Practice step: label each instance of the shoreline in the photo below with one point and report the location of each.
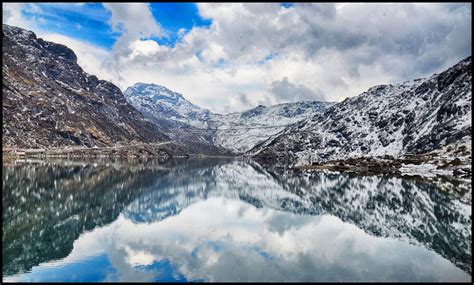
(159, 149)
(400, 167)
(418, 165)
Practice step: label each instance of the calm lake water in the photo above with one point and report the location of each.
(228, 220)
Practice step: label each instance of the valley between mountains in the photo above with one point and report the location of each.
(50, 104)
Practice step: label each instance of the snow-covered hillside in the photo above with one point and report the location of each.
(409, 118)
(243, 130)
(160, 102)
(238, 132)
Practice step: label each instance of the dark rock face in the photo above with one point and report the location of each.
(409, 118)
(49, 101)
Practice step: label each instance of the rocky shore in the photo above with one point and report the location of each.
(157, 150)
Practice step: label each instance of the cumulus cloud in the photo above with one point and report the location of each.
(124, 16)
(290, 92)
(12, 15)
(323, 51)
(135, 22)
(273, 54)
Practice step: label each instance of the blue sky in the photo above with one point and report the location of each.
(175, 16)
(87, 22)
(90, 21)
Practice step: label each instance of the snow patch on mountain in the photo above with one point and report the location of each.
(238, 131)
(408, 118)
(160, 102)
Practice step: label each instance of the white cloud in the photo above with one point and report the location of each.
(145, 47)
(125, 16)
(135, 21)
(331, 49)
(339, 51)
(12, 15)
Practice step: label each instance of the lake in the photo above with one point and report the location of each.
(229, 220)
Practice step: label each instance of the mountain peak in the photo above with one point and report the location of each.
(69, 106)
(153, 90)
(160, 102)
(26, 38)
(413, 117)
(149, 85)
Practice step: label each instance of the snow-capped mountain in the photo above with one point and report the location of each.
(238, 132)
(409, 118)
(243, 130)
(175, 116)
(49, 101)
(160, 102)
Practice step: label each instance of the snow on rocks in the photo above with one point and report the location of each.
(238, 132)
(395, 120)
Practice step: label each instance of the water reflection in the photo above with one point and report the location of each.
(227, 220)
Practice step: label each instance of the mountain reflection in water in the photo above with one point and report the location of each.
(228, 220)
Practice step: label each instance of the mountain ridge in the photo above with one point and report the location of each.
(49, 101)
(234, 131)
(412, 117)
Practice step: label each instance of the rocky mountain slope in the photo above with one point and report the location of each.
(49, 101)
(175, 116)
(242, 130)
(160, 102)
(237, 132)
(410, 118)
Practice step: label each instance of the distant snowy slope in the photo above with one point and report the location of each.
(243, 130)
(408, 118)
(238, 132)
(159, 101)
